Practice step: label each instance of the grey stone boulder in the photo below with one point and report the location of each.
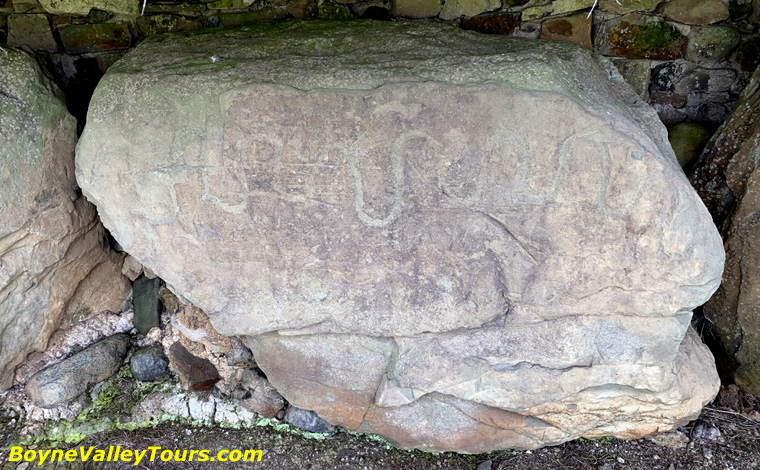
(55, 264)
(307, 420)
(458, 241)
(63, 381)
(149, 363)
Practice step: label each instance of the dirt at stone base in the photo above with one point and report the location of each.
(720, 439)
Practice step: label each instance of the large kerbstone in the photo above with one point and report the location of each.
(429, 216)
(55, 264)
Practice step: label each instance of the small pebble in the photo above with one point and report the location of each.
(621, 460)
(707, 453)
(485, 465)
(704, 430)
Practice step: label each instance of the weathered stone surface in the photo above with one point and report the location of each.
(307, 420)
(62, 382)
(575, 29)
(83, 7)
(259, 396)
(149, 363)
(636, 73)
(81, 38)
(453, 9)
(696, 12)
(728, 180)
(688, 140)
(194, 373)
(711, 44)
(538, 266)
(556, 7)
(145, 299)
(638, 36)
(32, 31)
(54, 260)
(621, 7)
(416, 8)
(469, 382)
(159, 24)
(500, 23)
(131, 268)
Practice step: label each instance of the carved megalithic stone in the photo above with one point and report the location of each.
(460, 242)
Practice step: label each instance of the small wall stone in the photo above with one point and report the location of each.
(32, 31)
(78, 39)
(575, 29)
(416, 8)
(696, 12)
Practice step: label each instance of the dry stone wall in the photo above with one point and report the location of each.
(689, 59)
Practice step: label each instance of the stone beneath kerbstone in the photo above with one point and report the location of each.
(259, 395)
(706, 81)
(500, 23)
(468, 382)
(230, 4)
(711, 44)
(55, 264)
(728, 180)
(83, 7)
(32, 31)
(149, 364)
(696, 12)
(307, 420)
(638, 36)
(621, 7)
(575, 29)
(416, 8)
(535, 274)
(195, 374)
(688, 140)
(62, 382)
(82, 38)
(146, 306)
(453, 9)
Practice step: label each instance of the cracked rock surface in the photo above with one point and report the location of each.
(459, 242)
(55, 265)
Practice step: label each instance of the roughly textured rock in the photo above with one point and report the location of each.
(54, 260)
(711, 44)
(259, 396)
(131, 268)
(688, 140)
(638, 36)
(728, 180)
(82, 38)
(556, 7)
(146, 306)
(416, 8)
(195, 374)
(149, 364)
(696, 12)
(32, 31)
(160, 24)
(500, 23)
(83, 7)
(636, 73)
(525, 282)
(307, 420)
(621, 7)
(575, 29)
(66, 380)
(453, 9)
